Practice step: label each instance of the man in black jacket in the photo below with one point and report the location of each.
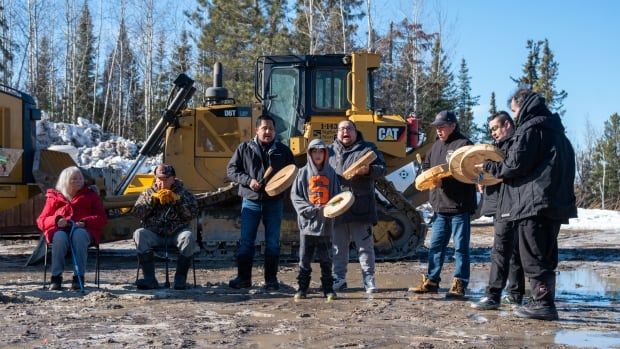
(453, 202)
(537, 195)
(247, 167)
(505, 261)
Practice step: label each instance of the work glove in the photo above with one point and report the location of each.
(165, 196)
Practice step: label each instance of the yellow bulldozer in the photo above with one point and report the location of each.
(307, 95)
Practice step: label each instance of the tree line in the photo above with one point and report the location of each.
(119, 75)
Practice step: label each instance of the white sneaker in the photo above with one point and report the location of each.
(339, 284)
(369, 284)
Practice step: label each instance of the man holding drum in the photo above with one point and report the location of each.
(453, 202)
(356, 223)
(249, 166)
(505, 261)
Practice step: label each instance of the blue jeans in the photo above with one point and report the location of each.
(444, 226)
(252, 211)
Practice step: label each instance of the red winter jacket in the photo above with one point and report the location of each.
(85, 206)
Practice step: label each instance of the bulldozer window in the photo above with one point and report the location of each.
(284, 87)
(330, 90)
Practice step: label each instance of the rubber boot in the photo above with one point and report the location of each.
(542, 304)
(244, 274)
(271, 272)
(148, 269)
(56, 283)
(303, 280)
(180, 276)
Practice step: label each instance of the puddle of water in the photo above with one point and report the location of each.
(572, 286)
(588, 339)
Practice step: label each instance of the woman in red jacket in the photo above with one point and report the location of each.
(71, 203)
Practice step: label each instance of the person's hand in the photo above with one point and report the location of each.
(255, 185)
(363, 170)
(80, 224)
(61, 223)
(479, 167)
(480, 188)
(437, 182)
(166, 196)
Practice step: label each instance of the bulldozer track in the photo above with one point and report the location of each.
(397, 236)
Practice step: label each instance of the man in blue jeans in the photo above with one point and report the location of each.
(247, 167)
(453, 202)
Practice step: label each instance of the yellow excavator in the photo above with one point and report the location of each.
(307, 95)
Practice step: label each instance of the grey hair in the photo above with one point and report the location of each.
(64, 180)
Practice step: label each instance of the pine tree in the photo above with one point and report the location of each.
(492, 104)
(606, 164)
(547, 76)
(85, 66)
(6, 50)
(276, 38)
(44, 87)
(440, 92)
(530, 68)
(465, 103)
(181, 61)
(229, 34)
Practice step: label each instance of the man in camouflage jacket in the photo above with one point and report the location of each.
(165, 210)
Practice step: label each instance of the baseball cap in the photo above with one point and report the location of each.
(444, 117)
(164, 170)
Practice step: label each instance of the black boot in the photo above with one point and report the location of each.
(303, 280)
(56, 283)
(244, 274)
(542, 304)
(327, 280)
(271, 272)
(148, 269)
(75, 283)
(180, 277)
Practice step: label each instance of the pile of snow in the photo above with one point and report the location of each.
(587, 219)
(95, 148)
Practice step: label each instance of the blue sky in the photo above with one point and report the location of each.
(491, 36)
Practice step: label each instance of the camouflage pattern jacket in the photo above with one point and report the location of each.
(167, 219)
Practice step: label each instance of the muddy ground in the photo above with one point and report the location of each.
(215, 316)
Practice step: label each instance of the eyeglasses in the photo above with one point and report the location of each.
(348, 128)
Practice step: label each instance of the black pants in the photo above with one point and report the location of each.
(321, 247)
(505, 262)
(538, 247)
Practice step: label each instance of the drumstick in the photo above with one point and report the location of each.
(266, 174)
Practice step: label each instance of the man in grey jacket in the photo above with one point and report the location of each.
(315, 185)
(357, 222)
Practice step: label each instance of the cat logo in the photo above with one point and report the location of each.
(390, 134)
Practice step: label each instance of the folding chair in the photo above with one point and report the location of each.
(48, 248)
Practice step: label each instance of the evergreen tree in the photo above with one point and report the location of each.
(530, 68)
(229, 34)
(547, 76)
(465, 103)
(181, 61)
(6, 49)
(606, 163)
(85, 65)
(276, 38)
(44, 89)
(492, 104)
(440, 92)
(402, 67)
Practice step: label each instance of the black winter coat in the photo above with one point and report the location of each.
(491, 192)
(453, 196)
(250, 161)
(539, 169)
(364, 208)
